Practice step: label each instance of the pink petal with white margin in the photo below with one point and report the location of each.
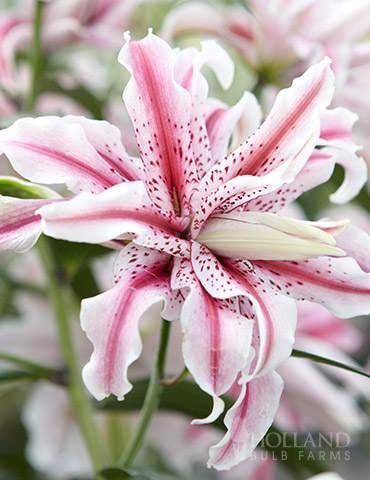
(317, 171)
(355, 176)
(161, 113)
(275, 314)
(276, 320)
(356, 243)
(240, 190)
(188, 75)
(216, 338)
(111, 319)
(123, 211)
(222, 121)
(336, 128)
(247, 421)
(106, 139)
(50, 150)
(20, 226)
(337, 283)
(287, 128)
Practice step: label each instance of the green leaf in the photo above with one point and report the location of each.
(137, 474)
(14, 187)
(328, 361)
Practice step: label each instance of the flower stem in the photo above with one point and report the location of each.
(152, 398)
(80, 401)
(36, 56)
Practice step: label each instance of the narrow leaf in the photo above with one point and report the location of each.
(328, 361)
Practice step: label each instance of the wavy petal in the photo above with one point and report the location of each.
(247, 421)
(337, 283)
(288, 127)
(275, 315)
(106, 139)
(216, 338)
(51, 150)
(123, 211)
(20, 226)
(111, 319)
(161, 113)
(222, 121)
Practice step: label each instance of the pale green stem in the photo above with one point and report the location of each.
(81, 404)
(151, 401)
(36, 56)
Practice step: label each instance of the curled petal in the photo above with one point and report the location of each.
(111, 319)
(337, 283)
(161, 113)
(51, 150)
(106, 139)
(275, 315)
(216, 338)
(123, 211)
(247, 421)
(286, 130)
(20, 226)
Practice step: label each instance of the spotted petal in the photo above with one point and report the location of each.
(111, 319)
(51, 150)
(123, 211)
(288, 127)
(247, 421)
(337, 283)
(216, 338)
(161, 113)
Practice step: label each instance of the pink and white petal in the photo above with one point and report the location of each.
(222, 120)
(111, 319)
(161, 113)
(336, 128)
(337, 283)
(286, 130)
(355, 176)
(241, 189)
(188, 75)
(275, 314)
(123, 211)
(20, 226)
(275, 320)
(216, 338)
(50, 150)
(356, 243)
(247, 421)
(231, 195)
(106, 139)
(317, 170)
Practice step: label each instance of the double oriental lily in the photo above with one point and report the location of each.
(197, 227)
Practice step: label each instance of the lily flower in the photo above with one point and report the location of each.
(201, 224)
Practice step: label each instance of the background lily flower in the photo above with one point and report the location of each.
(235, 303)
